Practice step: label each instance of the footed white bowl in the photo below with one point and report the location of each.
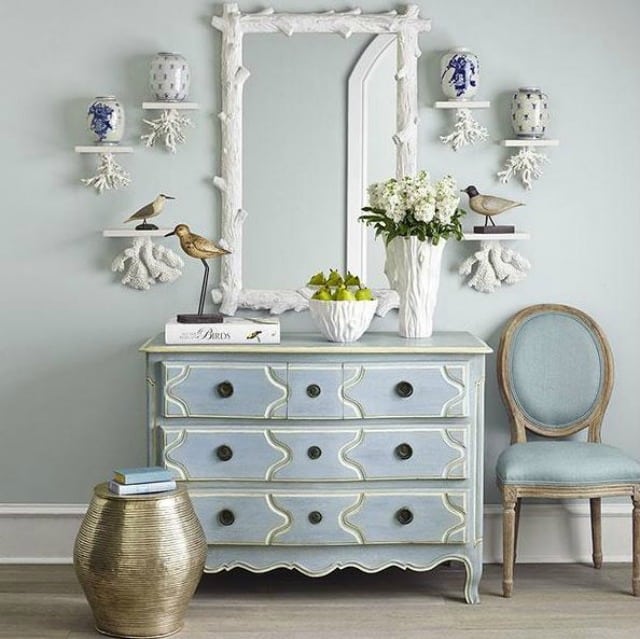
(342, 321)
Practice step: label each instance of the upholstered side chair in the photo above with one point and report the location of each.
(555, 373)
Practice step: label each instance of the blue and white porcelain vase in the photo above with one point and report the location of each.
(459, 74)
(529, 112)
(105, 119)
(170, 77)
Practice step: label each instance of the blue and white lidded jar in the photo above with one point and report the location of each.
(170, 77)
(459, 74)
(105, 119)
(529, 112)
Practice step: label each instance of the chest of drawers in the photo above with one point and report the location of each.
(317, 456)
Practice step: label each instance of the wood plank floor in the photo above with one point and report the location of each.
(550, 601)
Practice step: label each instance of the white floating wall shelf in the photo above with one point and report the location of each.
(170, 125)
(134, 233)
(483, 237)
(526, 163)
(109, 175)
(466, 130)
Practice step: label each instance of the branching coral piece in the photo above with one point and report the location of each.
(528, 163)
(466, 130)
(145, 263)
(110, 175)
(494, 265)
(170, 126)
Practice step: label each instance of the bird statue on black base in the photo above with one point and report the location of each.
(195, 245)
(489, 205)
(149, 210)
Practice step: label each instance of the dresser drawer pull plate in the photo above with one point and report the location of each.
(403, 451)
(404, 516)
(224, 453)
(225, 389)
(226, 517)
(313, 452)
(315, 517)
(313, 391)
(404, 389)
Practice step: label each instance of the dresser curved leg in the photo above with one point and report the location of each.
(472, 581)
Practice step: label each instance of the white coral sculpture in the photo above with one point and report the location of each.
(145, 263)
(527, 163)
(170, 126)
(494, 265)
(110, 175)
(466, 130)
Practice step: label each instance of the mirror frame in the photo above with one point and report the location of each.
(233, 24)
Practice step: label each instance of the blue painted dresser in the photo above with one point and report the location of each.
(315, 456)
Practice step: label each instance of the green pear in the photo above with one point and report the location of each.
(317, 280)
(323, 294)
(364, 294)
(351, 279)
(334, 279)
(343, 294)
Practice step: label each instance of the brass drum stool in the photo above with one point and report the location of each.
(139, 559)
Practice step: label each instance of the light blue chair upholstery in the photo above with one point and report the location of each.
(555, 372)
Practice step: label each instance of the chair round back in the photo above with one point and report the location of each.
(555, 372)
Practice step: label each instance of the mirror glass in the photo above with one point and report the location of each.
(294, 137)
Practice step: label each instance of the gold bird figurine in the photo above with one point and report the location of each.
(201, 248)
(149, 210)
(489, 205)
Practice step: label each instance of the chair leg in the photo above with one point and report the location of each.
(516, 529)
(635, 579)
(509, 501)
(596, 531)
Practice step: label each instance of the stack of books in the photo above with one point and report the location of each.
(138, 481)
(232, 330)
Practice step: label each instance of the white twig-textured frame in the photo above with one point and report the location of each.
(233, 24)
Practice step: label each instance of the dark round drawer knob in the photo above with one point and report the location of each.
(225, 389)
(404, 389)
(224, 452)
(404, 516)
(403, 451)
(315, 517)
(313, 452)
(313, 390)
(226, 517)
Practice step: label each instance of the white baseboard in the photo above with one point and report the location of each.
(549, 533)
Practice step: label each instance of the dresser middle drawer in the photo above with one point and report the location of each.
(314, 454)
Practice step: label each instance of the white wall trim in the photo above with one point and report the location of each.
(549, 533)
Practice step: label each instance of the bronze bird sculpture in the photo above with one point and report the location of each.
(149, 210)
(489, 205)
(201, 248)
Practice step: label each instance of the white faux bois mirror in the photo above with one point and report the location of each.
(400, 28)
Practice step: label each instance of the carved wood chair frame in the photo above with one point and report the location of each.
(521, 423)
(233, 24)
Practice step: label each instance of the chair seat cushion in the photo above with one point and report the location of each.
(565, 463)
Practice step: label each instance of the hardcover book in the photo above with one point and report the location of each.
(144, 474)
(141, 489)
(232, 330)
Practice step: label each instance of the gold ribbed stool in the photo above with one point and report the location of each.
(139, 559)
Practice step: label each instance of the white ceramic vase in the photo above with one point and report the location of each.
(459, 74)
(105, 119)
(413, 270)
(170, 77)
(529, 112)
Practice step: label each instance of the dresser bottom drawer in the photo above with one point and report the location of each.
(312, 518)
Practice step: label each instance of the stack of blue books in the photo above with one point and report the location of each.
(138, 481)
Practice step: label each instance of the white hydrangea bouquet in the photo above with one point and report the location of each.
(414, 206)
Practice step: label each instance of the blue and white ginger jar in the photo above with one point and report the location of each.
(459, 74)
(170, 77)
(105, 119)
(529, 112)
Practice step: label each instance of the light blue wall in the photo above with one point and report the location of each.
(72, 389)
